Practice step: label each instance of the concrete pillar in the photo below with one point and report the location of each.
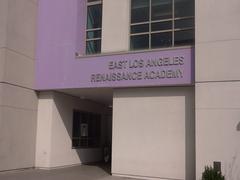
(115, 25)
(218, 86)
(18, 101)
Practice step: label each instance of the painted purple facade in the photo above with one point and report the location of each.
(61, 33)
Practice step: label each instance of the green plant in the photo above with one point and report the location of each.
(212, 174)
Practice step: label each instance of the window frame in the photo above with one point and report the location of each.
(87, 138)
(93, 3)
(150, 32)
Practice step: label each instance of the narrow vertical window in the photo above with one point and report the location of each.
(140, 14)
(94, 26)
(183, 22)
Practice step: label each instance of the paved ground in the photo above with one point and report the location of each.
(84, 172)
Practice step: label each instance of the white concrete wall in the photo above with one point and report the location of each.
(18, 101)
(153, 133)
(217, 86)
(54, 143)
(115, 25)
(218, 127)
(217, 40)
(44, 126)
(3, 22)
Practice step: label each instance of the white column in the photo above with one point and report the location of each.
(44, 130)
(115, 25)
(218, 86)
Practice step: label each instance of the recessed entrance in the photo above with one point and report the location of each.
(153, 130)
(92, 127)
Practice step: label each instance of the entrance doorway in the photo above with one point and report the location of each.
(93, 132)
(92, 125)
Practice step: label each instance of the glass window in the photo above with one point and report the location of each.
(159, 26)
(140, 11)
(184, 23)
(86, 130)
(184, 8)
(94, 27)
(94, 0)
(140, 28)
(184, 37)
(161, 9)
(94, 17)
(161, 23)
(93, 47)
(94, 34)
(159, 40)
(140, 42)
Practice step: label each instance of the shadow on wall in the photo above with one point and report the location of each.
(65, 105)
(232, 168)
(232, 171)
(190, 137)
(238, 127)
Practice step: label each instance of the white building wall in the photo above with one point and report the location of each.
(115, 25)
(54, 133)
(153, 133)
(3, 21)
(217, 86)
(18, 101)
(44, 125)
(218, 127)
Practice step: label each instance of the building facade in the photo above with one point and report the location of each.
(155, 81)
(18, 100)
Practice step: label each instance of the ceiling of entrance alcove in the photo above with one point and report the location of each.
(99, 95)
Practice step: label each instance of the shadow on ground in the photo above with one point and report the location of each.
(83, 172)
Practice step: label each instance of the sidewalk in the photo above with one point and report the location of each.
(84, 172)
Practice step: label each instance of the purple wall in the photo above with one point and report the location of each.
(61, 25)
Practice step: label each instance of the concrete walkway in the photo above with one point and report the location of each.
(84, 172)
